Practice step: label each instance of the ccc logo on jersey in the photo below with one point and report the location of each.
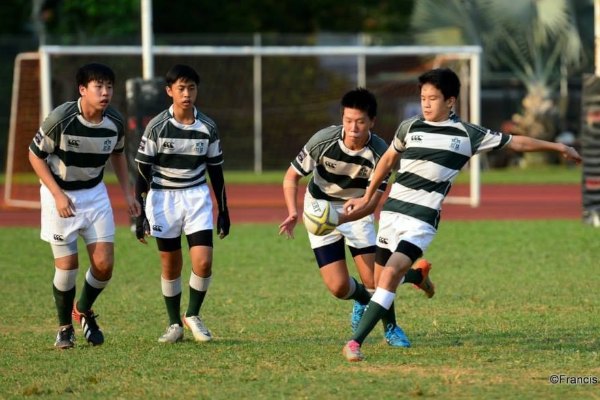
(168, 145)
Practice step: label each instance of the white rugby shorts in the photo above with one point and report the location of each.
(358, 234)
(394, 227)
(93, 218)
(173, 212)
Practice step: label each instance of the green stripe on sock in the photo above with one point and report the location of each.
(372, 315)
(413, 276)
(196, 300)
(64, 305)
(173, 309)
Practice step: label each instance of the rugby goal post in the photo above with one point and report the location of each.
(470, 54)
(25, 117)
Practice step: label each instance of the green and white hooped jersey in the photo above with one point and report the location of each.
(179, 153)
(339, 173)
(433, 153)
(77, 150)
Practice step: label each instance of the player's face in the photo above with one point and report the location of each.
(356, 125)
(433, 105)
(184, 94)
(96, 95)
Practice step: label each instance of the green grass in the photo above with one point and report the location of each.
(533, 175)
(515, 303)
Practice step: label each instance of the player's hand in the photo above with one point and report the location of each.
(223, 223)
(570, 153)
(64, 205)
(354, 206)
(134, 207)
(287, 227)
(142, 228)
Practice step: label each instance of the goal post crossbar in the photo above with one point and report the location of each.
(463, 51)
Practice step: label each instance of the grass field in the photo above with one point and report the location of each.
(515, 304)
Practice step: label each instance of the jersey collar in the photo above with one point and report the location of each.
(171, 111)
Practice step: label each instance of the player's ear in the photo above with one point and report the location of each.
(451, 101)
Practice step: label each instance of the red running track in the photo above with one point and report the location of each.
(264, 203)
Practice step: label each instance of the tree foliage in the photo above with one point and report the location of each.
(290, 16)
(15, 16)
(530, 38)
(84, 20)
(87, 20)
(537, 41)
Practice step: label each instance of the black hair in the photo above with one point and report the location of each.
(360, 99)
(443, 79)
(181, 71)
(94, 72)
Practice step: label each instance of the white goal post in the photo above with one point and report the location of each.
(471, 54)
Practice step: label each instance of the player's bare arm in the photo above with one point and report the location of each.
(529, 144)
(290, 193)
(383, 168)
(64, 205)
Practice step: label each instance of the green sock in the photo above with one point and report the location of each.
(89, 294)
(64, 305)
(413, 276)
(173, 309)
(196, 300)
(360, 293)
(389, 317)
(372, 315)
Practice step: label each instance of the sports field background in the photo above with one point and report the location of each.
(516, 303)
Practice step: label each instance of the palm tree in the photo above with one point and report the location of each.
(535, 40)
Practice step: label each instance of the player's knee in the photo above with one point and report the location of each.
(338, 289)
(102, 269)
(203, 268)
(102, 263)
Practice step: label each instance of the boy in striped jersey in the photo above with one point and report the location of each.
(68, 154)
(342, 159)
(432, 149)
(179, 146)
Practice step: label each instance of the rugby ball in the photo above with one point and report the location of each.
(319, 217)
